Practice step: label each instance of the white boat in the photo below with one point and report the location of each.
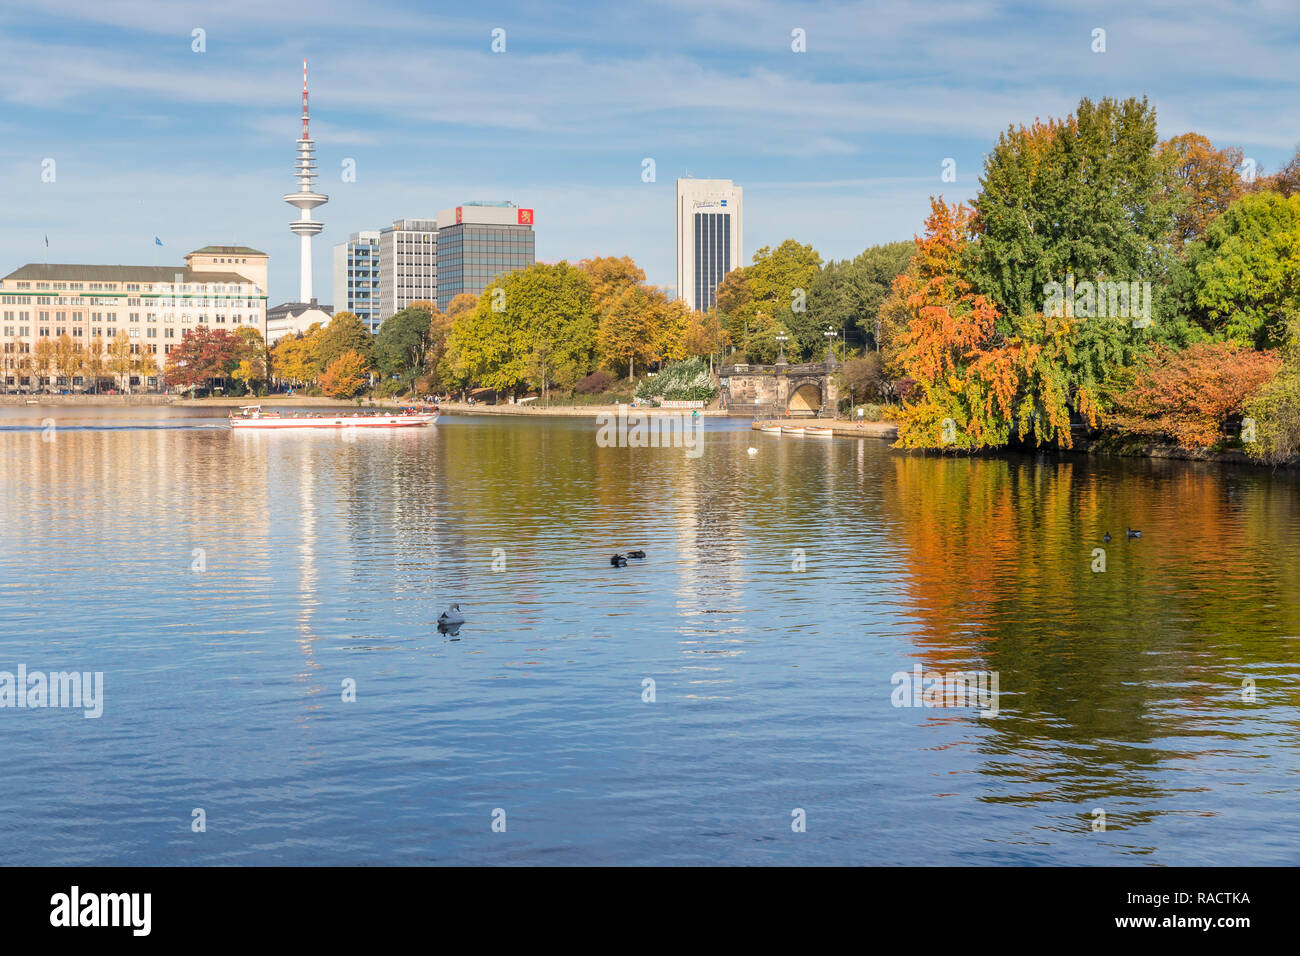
(773, 429)
(791, 429)
(819, 431)
(254, 416)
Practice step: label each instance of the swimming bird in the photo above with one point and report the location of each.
(451, 616)
(636, 554)
(1106, 537)
(753, 451)
(618, 561)
(1134, 534)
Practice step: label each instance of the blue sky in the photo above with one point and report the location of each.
(839, 146)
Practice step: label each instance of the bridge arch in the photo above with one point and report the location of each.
(805, 398)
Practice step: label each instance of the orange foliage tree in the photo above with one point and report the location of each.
(346, 375)
(1188, 395)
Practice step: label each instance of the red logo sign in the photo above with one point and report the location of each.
(458, 214)
(525, 217)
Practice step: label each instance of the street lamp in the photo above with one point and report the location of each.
(781, 339)
(830, 337)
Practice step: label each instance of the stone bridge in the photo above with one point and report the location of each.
(807, 390)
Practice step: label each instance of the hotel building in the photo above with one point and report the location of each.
(356, 277)
(709, 222)
(408, 265)
(478, 242)
(218, 287)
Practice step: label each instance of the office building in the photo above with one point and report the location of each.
(408, 265)
(478, 242)
(709, 223)
(356, 277)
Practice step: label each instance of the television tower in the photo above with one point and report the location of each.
(305, 198)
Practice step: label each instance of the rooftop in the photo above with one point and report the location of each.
(60, 271)
(227, 251)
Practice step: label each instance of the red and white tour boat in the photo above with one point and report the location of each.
(254, 416)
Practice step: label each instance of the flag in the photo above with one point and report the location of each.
(47, 242)
(157, 241)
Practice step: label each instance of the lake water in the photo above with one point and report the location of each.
(228, 586)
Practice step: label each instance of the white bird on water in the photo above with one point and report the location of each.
(753, 451)
(452, 616)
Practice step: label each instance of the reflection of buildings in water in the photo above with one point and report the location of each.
(711, 577)
(394, 497)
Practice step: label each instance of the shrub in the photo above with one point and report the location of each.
(595, 383)
(1189, 395)
(1275, 413)
(690, 380)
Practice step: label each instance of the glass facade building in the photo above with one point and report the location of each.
(712, 256)
(477, 243)
(356, 277)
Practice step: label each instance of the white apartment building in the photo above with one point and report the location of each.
(218, 287)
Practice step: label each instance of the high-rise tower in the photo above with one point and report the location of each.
(305, 199)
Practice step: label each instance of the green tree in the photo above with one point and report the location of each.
(849, 294)
(1087, 196)
(1248, 270)
(535, 325)
(402, 345)
(779, 282)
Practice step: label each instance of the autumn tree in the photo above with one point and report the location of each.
(293, 358)
(628, 331)
(947, 323)
(1208, 179)
(144, 363)
(252, 361)
(202, 355)
(119, 359)
(69, 358)
(96, 362)
(345, 332)
(346, 376)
